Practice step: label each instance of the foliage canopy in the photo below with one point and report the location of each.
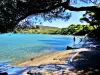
(13, 11)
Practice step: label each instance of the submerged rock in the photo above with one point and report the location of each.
(68, 47)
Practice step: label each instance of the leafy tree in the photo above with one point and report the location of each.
(13, 11)
(76, 29)
(92, 18)
(64, 31)
(37, 27)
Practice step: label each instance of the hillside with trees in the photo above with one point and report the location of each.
(70, 30)
(77, 29)
(37, 29)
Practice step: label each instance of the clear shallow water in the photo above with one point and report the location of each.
(19, 47)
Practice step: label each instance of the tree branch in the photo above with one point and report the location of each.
(88, 8)
(66, 5)
(42, 11)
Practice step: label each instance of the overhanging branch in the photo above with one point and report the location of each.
(65, 5)
(88, 8)
(42, 11)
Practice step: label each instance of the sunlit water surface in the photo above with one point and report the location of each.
(16, 47)
(22, 47)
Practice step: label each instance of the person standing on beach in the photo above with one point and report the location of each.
(74, 40)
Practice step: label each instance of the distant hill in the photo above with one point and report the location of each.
(48, 27)
(38, 29)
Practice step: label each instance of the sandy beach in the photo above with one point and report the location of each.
(59, 57)
(54, 58)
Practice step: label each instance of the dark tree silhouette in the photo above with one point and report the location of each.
(13, 11)
(92, 18)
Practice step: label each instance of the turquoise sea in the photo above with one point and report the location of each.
(15, 47)
(21, 47)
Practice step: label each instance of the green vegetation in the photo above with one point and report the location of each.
(36, 29)
(94, 20)
(70, 30)
(77, 29)
(14, 11)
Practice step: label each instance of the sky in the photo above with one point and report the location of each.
(74, 19)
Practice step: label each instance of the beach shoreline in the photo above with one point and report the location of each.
(52, 58)
(59, 57)
(63, 59)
